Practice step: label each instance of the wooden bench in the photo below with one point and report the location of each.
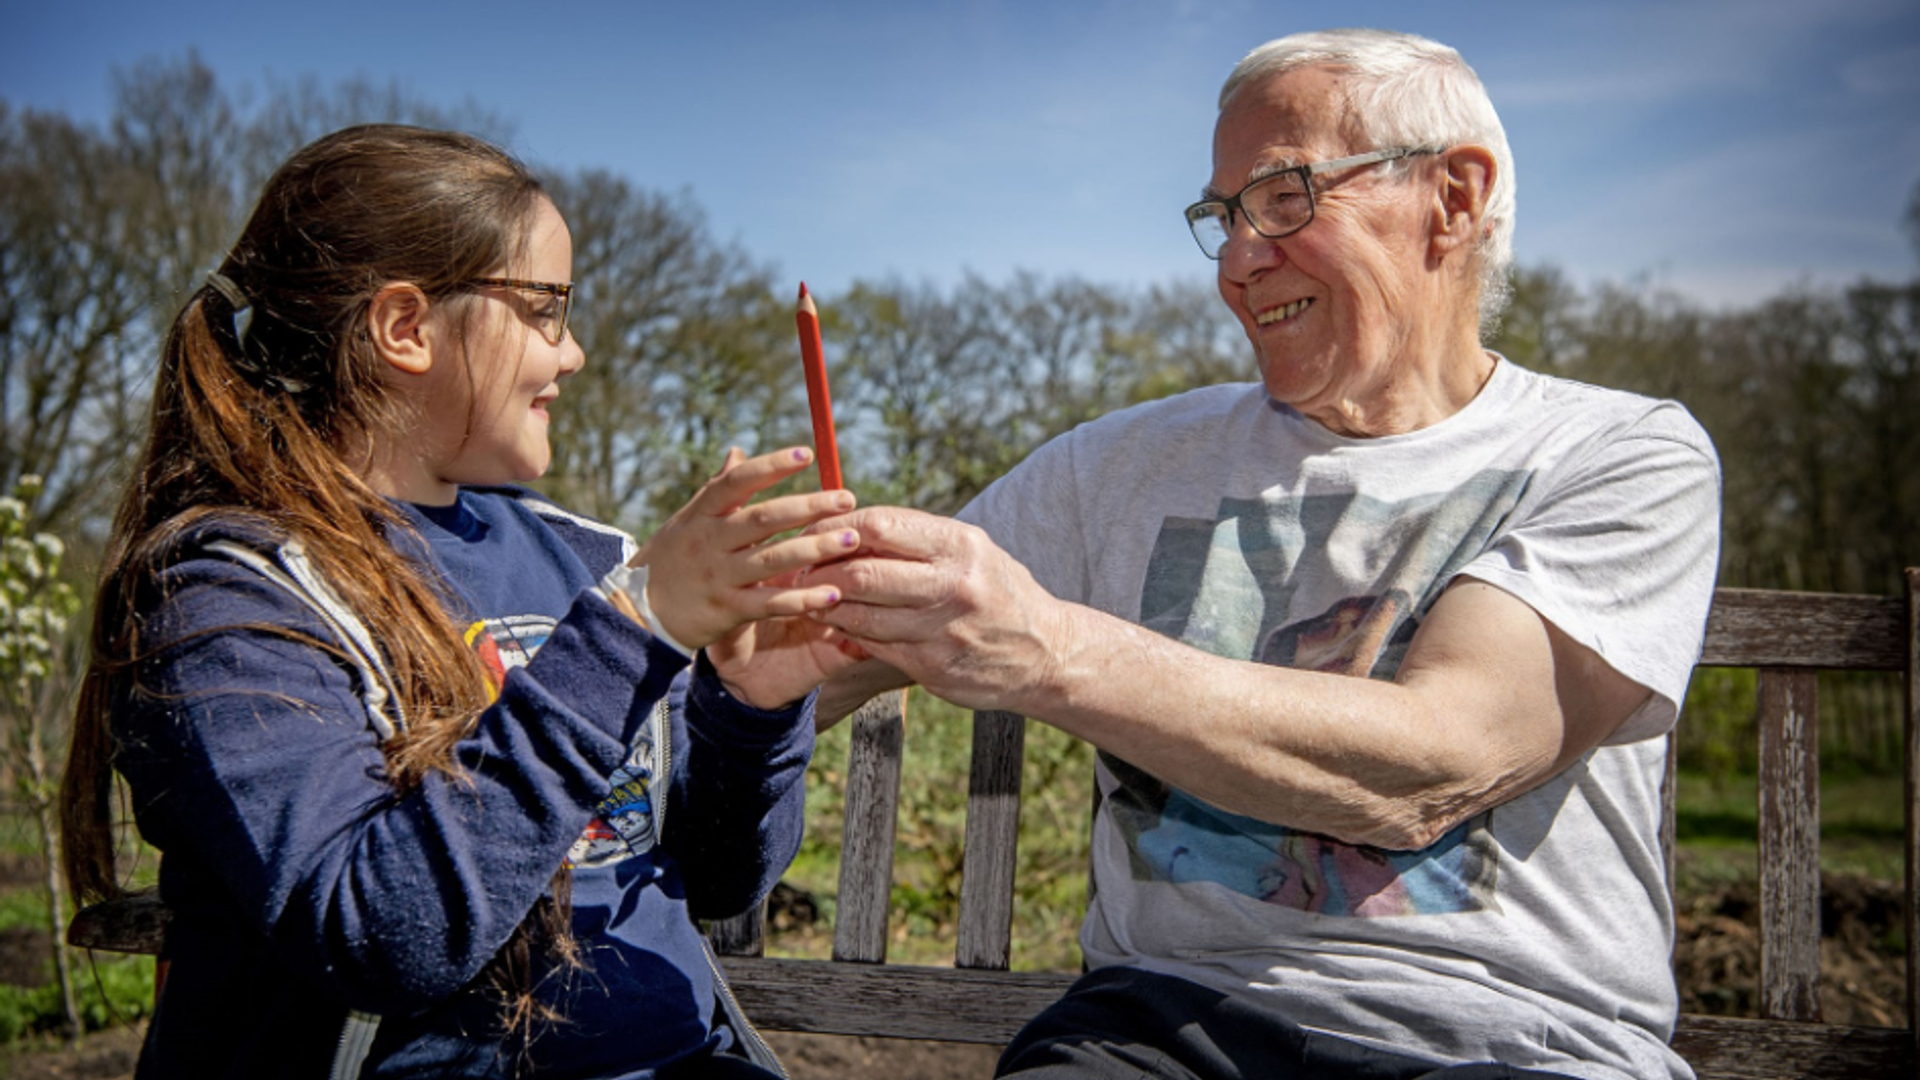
(1787, 636)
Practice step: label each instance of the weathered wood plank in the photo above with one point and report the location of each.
(867, 836)
(900, 1001)
(1913, 809)
(742, 935)
(985, 931)
(1768, 628)
(1789, 845)
(1724, 1048)
(981, 1006)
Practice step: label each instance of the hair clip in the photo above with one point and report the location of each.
(242, 307)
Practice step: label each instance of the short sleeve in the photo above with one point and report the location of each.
(1618, 548)
(1034, 514)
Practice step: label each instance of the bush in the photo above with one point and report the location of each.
(1861, 726)
(112, 990)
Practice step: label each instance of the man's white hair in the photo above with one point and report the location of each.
(1405, 90)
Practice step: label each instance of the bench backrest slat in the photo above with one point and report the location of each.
(743, 935)
(1913, 810)
(868, 833)
(1789, 845)
(1763, 628)
(992, 841)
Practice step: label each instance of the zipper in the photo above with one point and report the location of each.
(290, 570)
(356, 1040)
(662, 721)
(757, 1051)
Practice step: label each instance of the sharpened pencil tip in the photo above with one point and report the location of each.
(803, 290)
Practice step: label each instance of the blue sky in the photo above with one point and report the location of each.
(1728, 149)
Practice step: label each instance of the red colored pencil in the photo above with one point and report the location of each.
(807, 318)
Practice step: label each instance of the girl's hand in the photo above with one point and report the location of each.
(773, 662)
(715, 565)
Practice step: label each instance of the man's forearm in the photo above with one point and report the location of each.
(1353, 758)
(1392, 764)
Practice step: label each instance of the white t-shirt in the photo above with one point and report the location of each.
(1538, 933)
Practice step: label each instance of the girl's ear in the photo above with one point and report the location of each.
(397, 322)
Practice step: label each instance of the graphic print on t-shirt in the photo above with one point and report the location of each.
(1332, 583)
(623, 825)
(508, 643)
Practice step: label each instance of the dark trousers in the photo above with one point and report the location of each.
(1125, 1024)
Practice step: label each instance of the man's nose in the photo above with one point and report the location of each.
(1246, 252)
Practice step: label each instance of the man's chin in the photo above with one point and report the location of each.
(1288, 379)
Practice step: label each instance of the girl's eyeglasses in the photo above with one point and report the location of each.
(553, 322)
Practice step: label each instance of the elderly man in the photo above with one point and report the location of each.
(1377, 652)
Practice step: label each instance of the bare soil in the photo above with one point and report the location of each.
(1717, 963)
(1862, 946)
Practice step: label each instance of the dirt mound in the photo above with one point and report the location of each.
(1862, 946)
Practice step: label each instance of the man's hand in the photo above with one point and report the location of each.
(936, 599)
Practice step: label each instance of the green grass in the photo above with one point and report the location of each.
(1716, 825)
(23, 907)
(109, 988)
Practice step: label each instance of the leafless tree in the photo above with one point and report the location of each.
(688, 352)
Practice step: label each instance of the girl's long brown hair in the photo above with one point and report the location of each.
(277, 424)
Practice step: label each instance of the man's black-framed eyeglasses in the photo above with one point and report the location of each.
(552, 323)
(1278, 204)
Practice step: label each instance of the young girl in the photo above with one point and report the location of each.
(441, 774)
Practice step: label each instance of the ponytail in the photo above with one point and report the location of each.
(266, 398)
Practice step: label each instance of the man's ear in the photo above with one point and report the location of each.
(1460, 207)
(397, 322)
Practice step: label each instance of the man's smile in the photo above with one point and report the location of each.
(1283, 312)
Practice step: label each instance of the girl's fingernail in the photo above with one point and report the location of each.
(799, 455)
(833, 597)
(849, 539)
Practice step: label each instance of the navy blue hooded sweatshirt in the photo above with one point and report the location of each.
(304, 885)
